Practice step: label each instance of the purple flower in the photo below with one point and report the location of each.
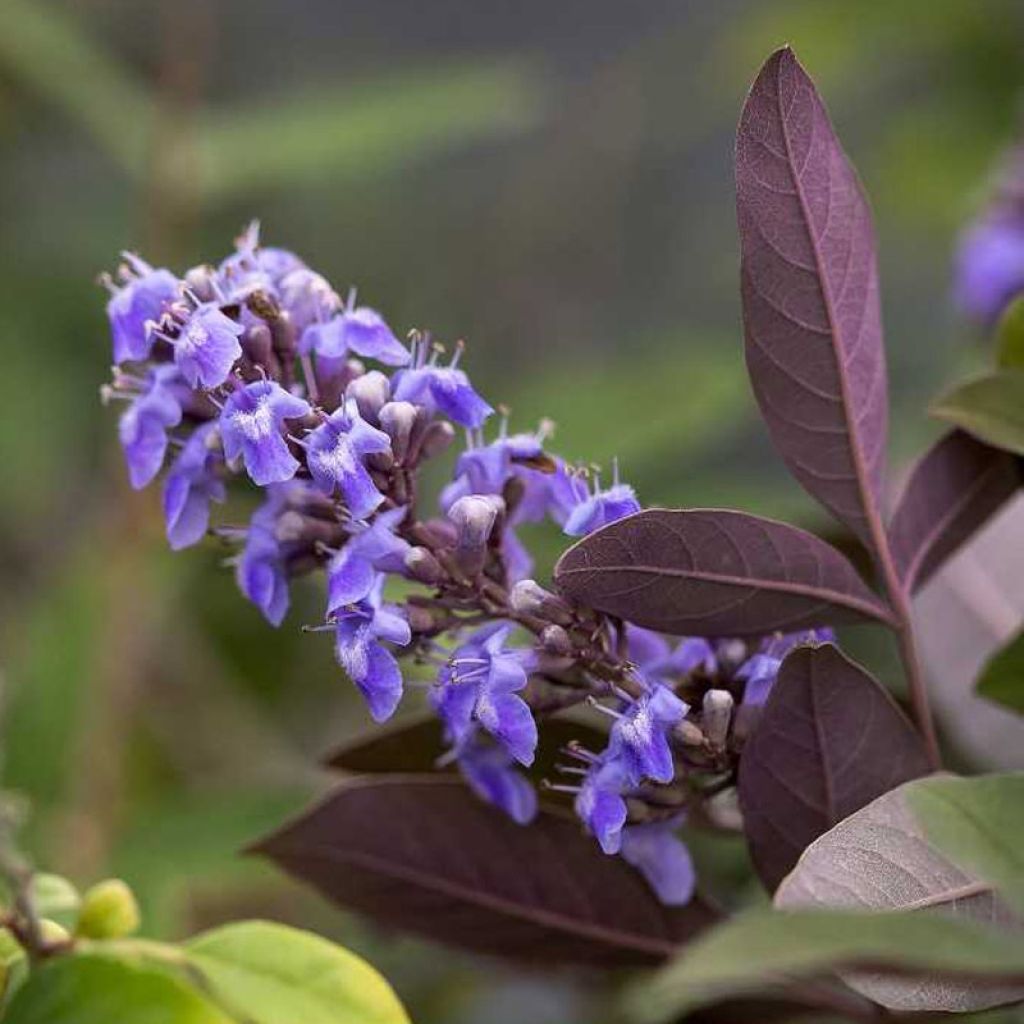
(308, 298)
(760, 671)
(440, 388)
(639, 737)
(359, 630)
(144, 424)
(352, 572)
(357, 329)
(138, 302)
(480, 684)
(335, 453)
(990, 267)
(254, 267)
(206, 346)
(600, 507)
(191, 485)
(252, 427)
(657, 659)
(492, 775)
(662, 858)
(600, 804)
(261, 570)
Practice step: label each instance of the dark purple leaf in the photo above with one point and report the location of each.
(951, 492)
(829, 740)
(422, 854)
(713, 572)
(810, 296)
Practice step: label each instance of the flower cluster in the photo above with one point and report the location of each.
(257, 369)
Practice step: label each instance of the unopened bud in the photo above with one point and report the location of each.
(437, 439)
(370, 392)
(109, 911)
(294, 526)
(420, 619)
(689, 734)
(423, 567)
(397, 420)
(52, 933)
(555, 640)
(528, 597)
(474, 517)
(258, 344)
(201, 281)
(717, 714)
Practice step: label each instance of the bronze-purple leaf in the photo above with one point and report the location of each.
(829, 740)
(954, 489)
(422, 854)
(809, 284)
(714, 572)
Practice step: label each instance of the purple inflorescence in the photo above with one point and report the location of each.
(255, 369)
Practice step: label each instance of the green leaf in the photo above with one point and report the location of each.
(94, 988)
(1002, 679)
(55, 897)
(990, 407)
(979, 824)
(270, 974)
(1010, 336)
(765, 948)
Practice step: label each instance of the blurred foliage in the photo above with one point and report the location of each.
(552, 182)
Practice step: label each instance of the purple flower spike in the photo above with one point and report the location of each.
(662, 858)
(480, 684)
(207, 346)
(352, 572)
(252, 427)
(990, 267)
(136, 303)
(144, 424)
(261, 569)
(492, 775)
(443, 389)
(640, 735)
(336, 451)
(760, 671)
(359, 630)
(600, 804)
(191, 485)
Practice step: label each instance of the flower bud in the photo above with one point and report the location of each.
(52, 933)
(201, 281)
(421, 620)
(689, 734)
(555, 640)
(437, 439)
(397, 420)
(474, 518)
(528, 597)
(109, 911)
(422, 566)
(717, 715)
(257, 344)
(370, 392)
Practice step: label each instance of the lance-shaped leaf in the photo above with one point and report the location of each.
(829, 740)
(989, 407)
(421, 853)
(810, 296)
(714, 572)
(881, 859)
(955, 488)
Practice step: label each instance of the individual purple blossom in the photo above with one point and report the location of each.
(640, 736)
(336, 452)
(479, 686)
(662, 858)
(351, 573)
(144, 424)
(206, 346)
(135, 304)
(598, 507)
(357, 329)
(492, 775)
(444, 389)
(261, 570)
(600, 803)
(989, 269)
(252, 428)
(253, 267)
(658, 659)
(360, 632)
(192, 483)
(760, 671)
(308, 298)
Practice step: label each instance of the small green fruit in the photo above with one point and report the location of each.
(109, 911)
(52, 933)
